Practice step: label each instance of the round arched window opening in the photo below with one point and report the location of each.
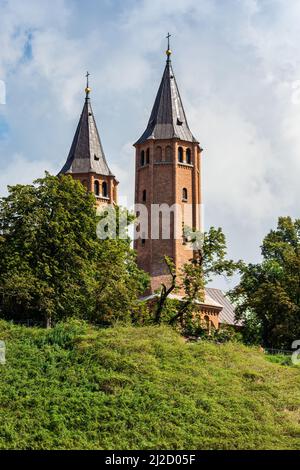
(142, 157)
(184, 194)
(180, 154)
(104, 189)
(96, 188)
(188, 156)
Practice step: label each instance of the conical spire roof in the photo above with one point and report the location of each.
(86, 154)
(168, 119)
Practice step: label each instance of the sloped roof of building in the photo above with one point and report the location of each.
(215, 298)
(86, 154)
(168, 119)
(227, 314)
(208, 300)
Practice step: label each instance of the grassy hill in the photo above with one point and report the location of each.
(141, 388)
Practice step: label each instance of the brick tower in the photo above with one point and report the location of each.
(168, 171)
(86, 161)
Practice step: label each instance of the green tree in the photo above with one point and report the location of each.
(268, 295)
(52, 264)
(210, 258)
(117, 300)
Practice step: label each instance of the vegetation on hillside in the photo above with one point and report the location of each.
(53, 266)
(268, 296)
(78, 387)
(210, 259)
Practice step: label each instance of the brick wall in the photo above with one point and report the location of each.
(163, 178)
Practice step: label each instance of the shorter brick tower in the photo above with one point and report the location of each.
(86, 161)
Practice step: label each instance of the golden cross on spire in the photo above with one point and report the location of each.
(168, 38)
(87, 90)
(168, 51)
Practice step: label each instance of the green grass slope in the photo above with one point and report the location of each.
(78, 387)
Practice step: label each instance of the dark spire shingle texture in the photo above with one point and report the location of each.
(86, 154)
(167, 120)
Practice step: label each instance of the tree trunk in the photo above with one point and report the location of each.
(48, 323)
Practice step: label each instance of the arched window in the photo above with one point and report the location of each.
(180, 154)
(188, 156)
(142, 157)
(168, 153)
(158, 154)
(184, 194)
(104, 189)
(147, 156)
(96, 188)
(144, 195)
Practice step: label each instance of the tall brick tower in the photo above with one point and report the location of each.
(86, 161)
(168, 171)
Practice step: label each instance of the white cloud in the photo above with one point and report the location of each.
(21, 171)
(236, 63)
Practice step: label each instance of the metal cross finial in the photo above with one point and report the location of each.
(168, 51)
(87, 90)
(87, 79)
(168, 38)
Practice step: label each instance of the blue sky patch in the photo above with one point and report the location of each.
(28, 47)
(4, 128)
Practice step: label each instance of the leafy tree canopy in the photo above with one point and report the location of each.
(210, 259)
(53, 265)
(268, 295)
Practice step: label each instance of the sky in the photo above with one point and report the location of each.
(237, 65)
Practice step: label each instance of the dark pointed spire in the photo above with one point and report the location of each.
(168, 119)
(86, 154)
